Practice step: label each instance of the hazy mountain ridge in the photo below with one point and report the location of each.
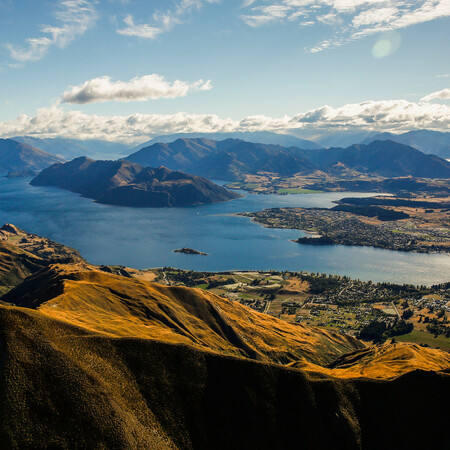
(16, 157)
(71, 148)
(129, 184)
(231, 159)
(385, 158)
(256, 137)
(427, 141)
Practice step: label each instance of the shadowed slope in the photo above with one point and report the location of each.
(127, 184)
(124, 307)
(64, 387)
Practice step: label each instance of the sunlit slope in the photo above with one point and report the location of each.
(65, 387)
(383, 361)
(61, 389)
(15, 265)
(123, 307)
(22, 254)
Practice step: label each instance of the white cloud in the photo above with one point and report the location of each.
(73, 18)
(142, 31)
(163, 21)
(439, 95)
(148, 87)
(387, 115)
(350, 19)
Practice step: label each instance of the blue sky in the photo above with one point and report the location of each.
(129, 69)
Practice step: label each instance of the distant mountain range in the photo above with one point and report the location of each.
(385, 158)
(128, 184)
(17, 157)
(72, 148)
(257, 137)
(232, 159)
(427, 141)
(228, 160)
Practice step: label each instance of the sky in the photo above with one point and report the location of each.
(127, 70)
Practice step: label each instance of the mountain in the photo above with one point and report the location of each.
(257, 137)
(385, 158)
(101, 302)
(233, 159)
(71, 148)
(427, 141)
(16, 157)
(96, 360)
(127, 184)
(223, 160)
(23, 254)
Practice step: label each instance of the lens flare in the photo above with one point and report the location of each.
(386, 45)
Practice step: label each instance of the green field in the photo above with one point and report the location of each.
(298, 191)
(422, 337)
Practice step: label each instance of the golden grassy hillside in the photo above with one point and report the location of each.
(15, 265)
(22, 254)
(116, 306)
(65, 387)
(382, 361)
(91, 359)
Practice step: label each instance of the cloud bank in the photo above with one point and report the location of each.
(387, 115)
(350, 19)
(148, 87)
(73, 18)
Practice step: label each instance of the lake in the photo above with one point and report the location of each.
(144, 238)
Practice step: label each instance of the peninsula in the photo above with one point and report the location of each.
(127, 184)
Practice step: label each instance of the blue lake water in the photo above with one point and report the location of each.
(144, 238)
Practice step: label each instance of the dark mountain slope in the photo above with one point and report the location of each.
(228, 159)
(129, 184)
(65, 387)
(182, 154)
(385, 158)
(16, 156)
(232, 159)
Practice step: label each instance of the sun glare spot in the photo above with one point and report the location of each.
(386, 45)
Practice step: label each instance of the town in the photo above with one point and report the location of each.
(371, 311)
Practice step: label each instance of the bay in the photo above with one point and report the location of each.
(144, 238)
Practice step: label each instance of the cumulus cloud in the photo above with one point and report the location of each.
(387, 115)
(355, 18)
(148, 87)
(163, 21)
(439, 95)
(73, 18)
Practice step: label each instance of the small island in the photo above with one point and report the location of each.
(189, 251)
